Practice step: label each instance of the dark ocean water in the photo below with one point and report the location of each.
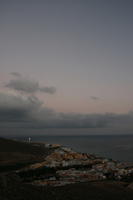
(119, 147)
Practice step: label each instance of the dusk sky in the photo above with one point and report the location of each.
(68, 63)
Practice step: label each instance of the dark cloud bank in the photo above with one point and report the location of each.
(28, 112)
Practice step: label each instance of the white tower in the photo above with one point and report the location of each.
(29, 139)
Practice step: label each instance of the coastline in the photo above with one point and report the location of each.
(118, 148)
(42, 165)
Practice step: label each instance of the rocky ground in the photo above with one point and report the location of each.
(45, 171)
(64, 166)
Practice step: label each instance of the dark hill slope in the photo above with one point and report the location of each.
(14, 154)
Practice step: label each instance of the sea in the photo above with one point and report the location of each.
(116, 147)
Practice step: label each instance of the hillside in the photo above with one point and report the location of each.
(23, 163)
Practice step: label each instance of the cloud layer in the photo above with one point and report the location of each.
(29, 112)
(24, 110)
(21, 84)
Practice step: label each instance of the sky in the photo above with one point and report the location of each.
(66, 64)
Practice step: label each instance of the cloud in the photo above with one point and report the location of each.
(17, 107)
(16, 74)
(50, 90)
(28, 112)
(94, 98)
(21, 84)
